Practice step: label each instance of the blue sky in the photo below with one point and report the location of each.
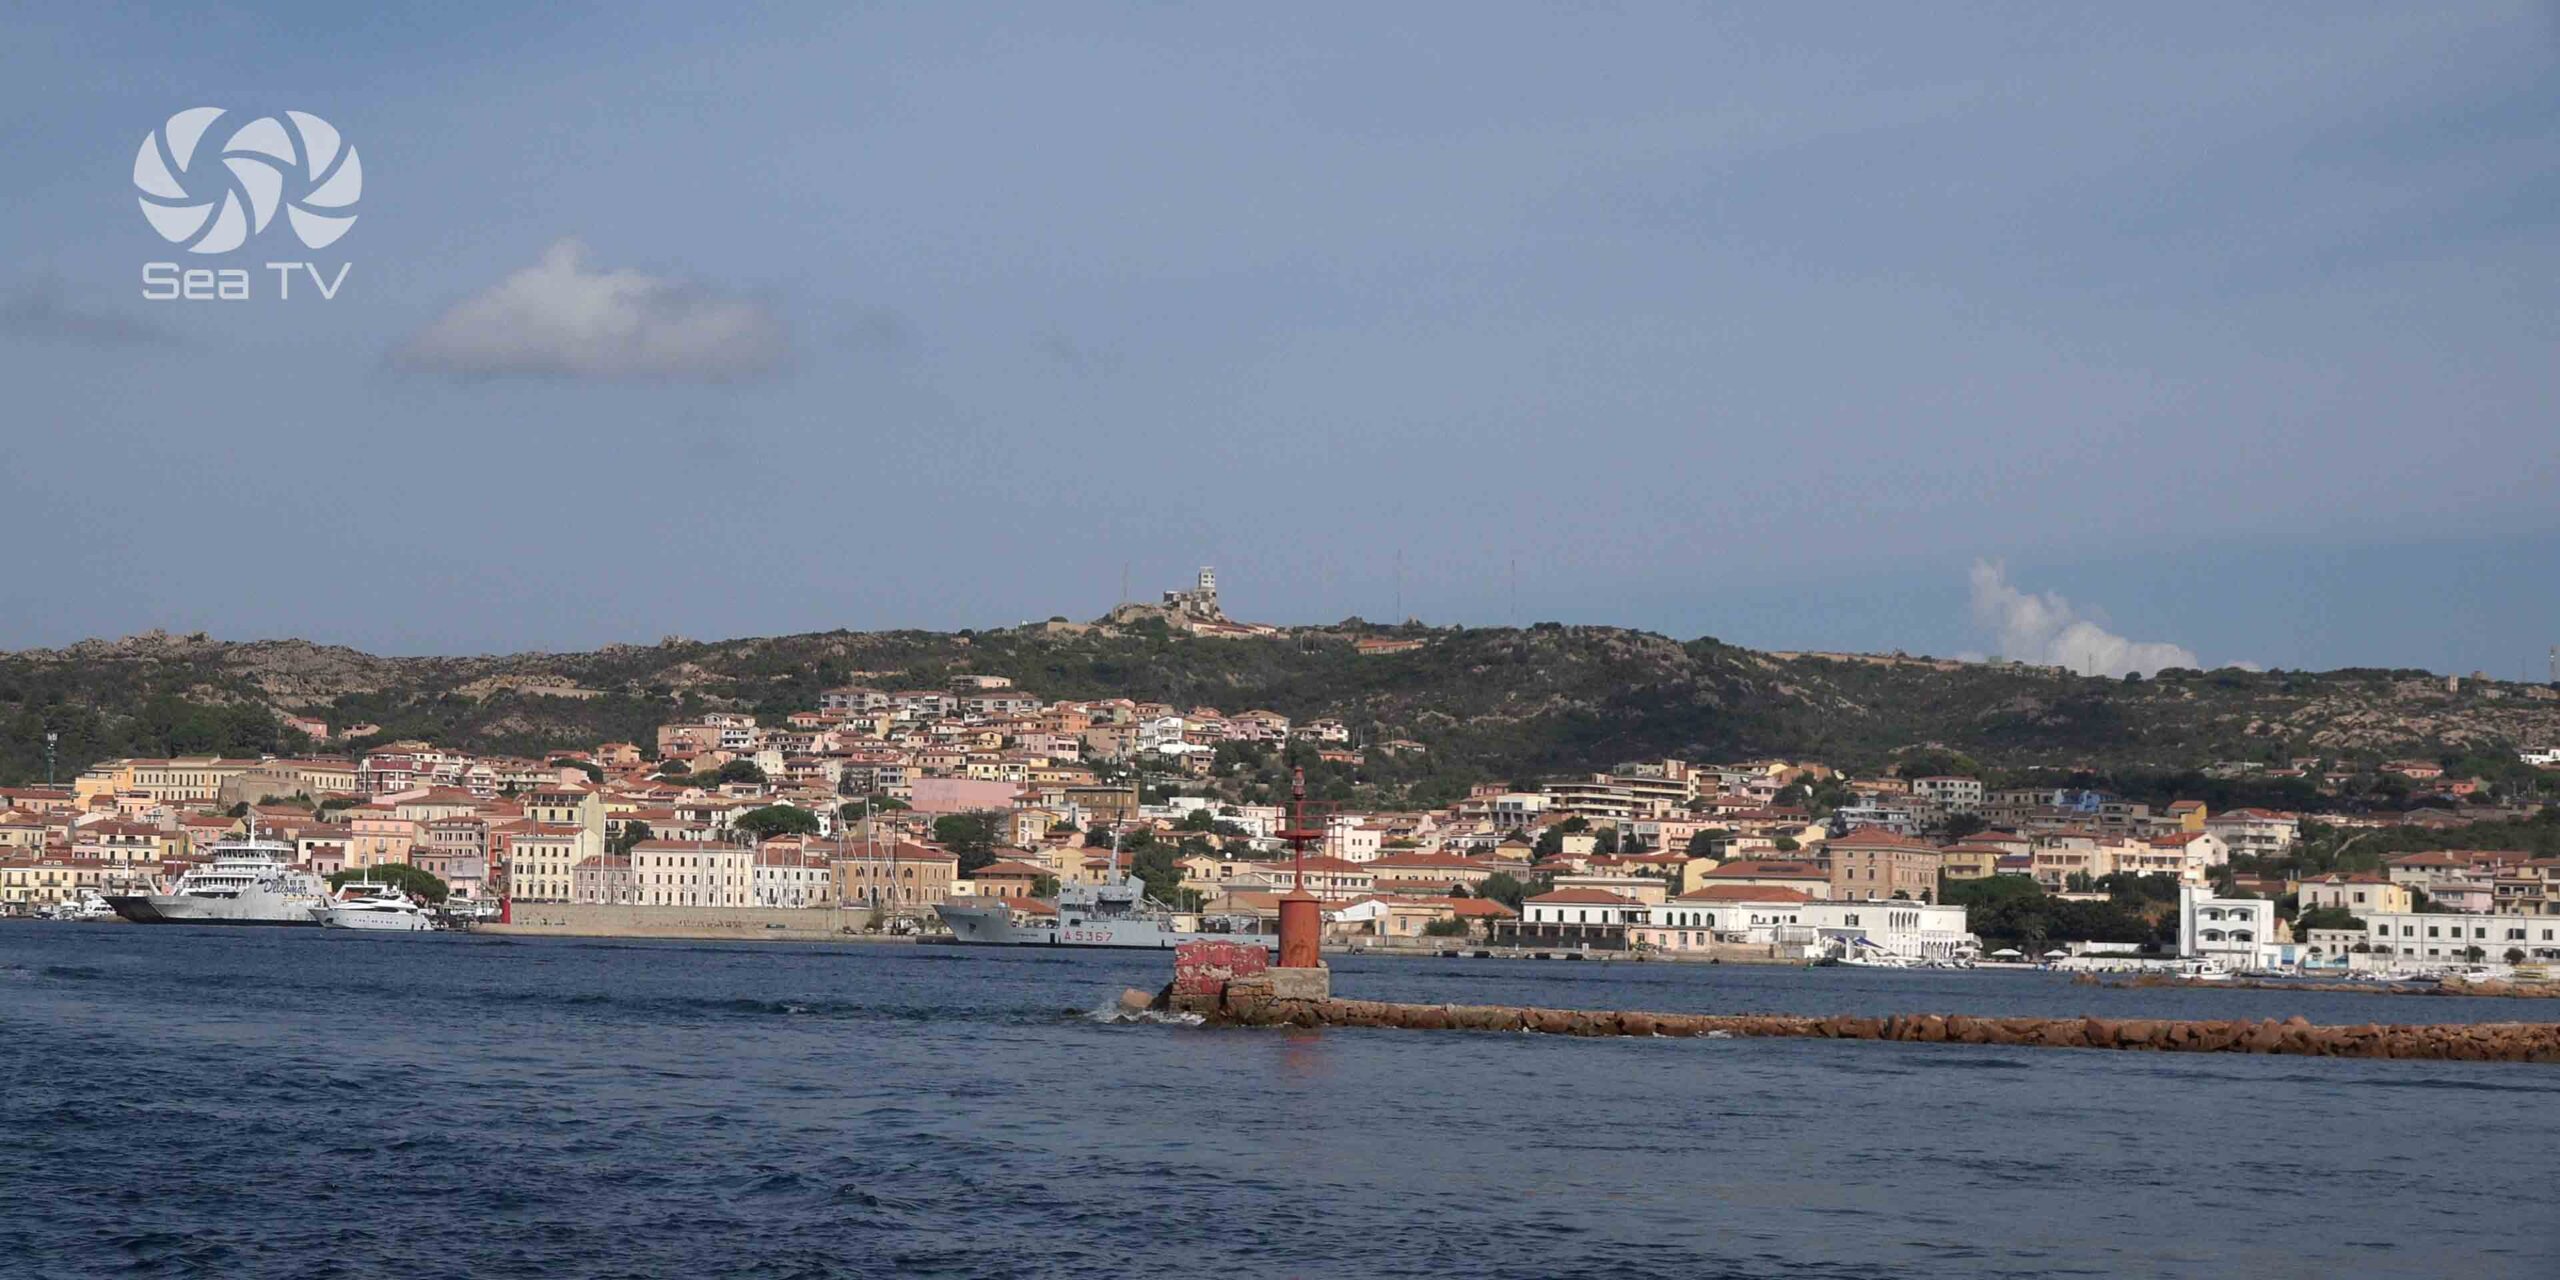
(2233, 327)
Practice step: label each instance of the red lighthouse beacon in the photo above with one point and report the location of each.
(1301, 919)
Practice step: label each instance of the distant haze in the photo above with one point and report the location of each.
(2115, 338)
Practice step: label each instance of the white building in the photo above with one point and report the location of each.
(783, 879)
(2434, 939)
(2256, 833)
(1918, 930)
(1761, 916)
(1581, 907)
(1351, 838)
(680, 873)
(1515, 810)
(1955, 795)
(1899, 817)
(2233, 933)
(1728, 914)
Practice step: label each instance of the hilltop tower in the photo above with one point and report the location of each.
(1199, 600)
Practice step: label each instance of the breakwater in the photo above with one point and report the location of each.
(1255, 1000)
(2520, 990)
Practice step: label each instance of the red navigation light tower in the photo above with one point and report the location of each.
(1301, 919)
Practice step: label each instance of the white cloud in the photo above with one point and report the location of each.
(2046, 629)
(559, 318)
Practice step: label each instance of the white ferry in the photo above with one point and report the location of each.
(249, 881)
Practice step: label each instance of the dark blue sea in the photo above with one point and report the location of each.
(249, 1103)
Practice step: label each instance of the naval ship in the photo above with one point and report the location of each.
(248, 881)
(1114, 913)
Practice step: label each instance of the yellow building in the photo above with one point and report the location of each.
(27, 884)
(905, 879)
(1970, 862)
(2362, 895)
(184, 779)
(541, 861)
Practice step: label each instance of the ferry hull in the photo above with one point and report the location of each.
(992, 926)
(374, 921)
(165, 908)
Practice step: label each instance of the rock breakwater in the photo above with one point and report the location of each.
(1251, 1002)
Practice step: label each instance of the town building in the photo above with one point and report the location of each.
(1872, 863)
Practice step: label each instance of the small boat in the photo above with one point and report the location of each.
(87, 906)
(380, 908)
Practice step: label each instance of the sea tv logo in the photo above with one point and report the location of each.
(214, 197)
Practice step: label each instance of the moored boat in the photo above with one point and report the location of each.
(247, 882)
(1116, 913)
(374, 907)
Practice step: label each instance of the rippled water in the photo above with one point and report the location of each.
(298, 1103)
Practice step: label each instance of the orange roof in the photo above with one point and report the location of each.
(1592, 897)
(1767, 869)
(1745, 893)
(1873, 837)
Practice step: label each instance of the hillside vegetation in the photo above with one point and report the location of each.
(1488, 704)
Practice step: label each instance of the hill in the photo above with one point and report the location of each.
(1488, 704)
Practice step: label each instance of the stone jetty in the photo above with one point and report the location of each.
(2447, 987)
(1256, 1000)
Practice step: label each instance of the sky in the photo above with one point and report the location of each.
(2115, 336)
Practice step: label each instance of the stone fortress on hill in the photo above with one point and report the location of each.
(1193, 609)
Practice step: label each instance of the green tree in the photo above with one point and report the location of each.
(1510, 890)
(970, 835)
(417, 882)
(2329, 918)
(1453, 927)
(633, 832)
(740, 771)
(1705, 843)
(776, 820)
(1155, 865)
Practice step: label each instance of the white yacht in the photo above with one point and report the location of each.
(88, 906)
(374, 906)
(248, 881)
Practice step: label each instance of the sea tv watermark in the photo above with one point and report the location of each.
(216, 191)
